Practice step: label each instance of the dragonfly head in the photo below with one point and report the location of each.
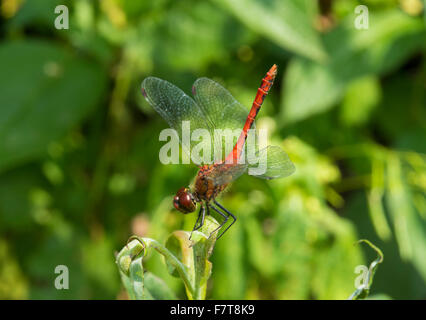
(184, 201)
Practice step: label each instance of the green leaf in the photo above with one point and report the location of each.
(44, 92)
(361, 96)
(196, 33)
(312, 87)
(13, 280)
(129, 261)
(144, 285)
(188, 35)
(137, 280)
(15, 205)
(288, 23)
(399, 206)
(157, 288)
(334, 257)
(194, 255)
(375, 200)
(409, 226)
(37, 13)
(95, 253)
(230, 264)
(185, 258)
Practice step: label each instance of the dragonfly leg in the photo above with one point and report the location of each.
(222, 224)
(201, 215)
(229, 215)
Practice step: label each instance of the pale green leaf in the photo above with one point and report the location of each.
(361, 96)
(290, 24)
(312, 87)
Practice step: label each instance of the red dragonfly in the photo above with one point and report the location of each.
(214, 108)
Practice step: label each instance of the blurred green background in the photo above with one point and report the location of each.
(79, 167)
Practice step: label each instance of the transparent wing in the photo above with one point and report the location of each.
(270, 163)
(180, 111)
(222, 111)
(218, 105)
(224, 173)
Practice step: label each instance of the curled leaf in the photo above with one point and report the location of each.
(187, 259)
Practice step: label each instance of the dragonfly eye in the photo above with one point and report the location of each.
(184, 201)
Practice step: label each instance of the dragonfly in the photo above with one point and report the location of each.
(213, 107)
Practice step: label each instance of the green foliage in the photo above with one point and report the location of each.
(79, 167)
(30, 120)
(13, 285)
(392, 37)
(185, 258)
(287, 23)
(361, 97)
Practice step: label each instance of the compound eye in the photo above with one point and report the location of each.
(184, 201)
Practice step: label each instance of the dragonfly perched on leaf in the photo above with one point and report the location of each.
(215, 108)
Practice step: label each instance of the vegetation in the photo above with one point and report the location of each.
(79, 167)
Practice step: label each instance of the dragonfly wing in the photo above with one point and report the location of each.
(223, 112)
(270, 163)
(224, 173)
(176, 108)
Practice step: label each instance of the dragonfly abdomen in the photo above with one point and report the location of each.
(262, 91)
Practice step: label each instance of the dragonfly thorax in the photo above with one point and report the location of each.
(207, 188)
